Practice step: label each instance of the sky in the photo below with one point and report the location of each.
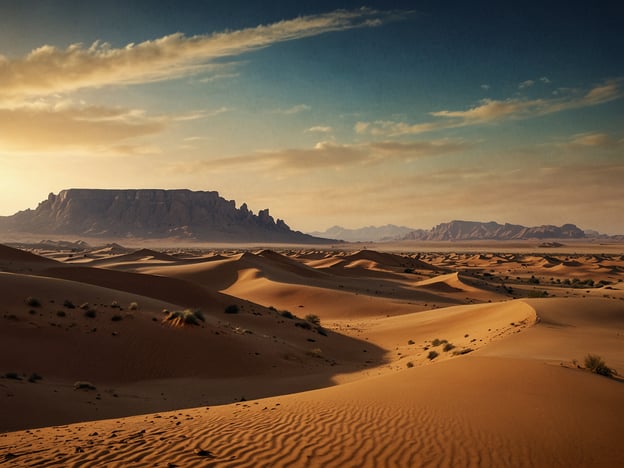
(327, 112)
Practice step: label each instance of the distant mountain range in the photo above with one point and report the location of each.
(365, 234)
(461, 231)
(196, 216)
(475, 230)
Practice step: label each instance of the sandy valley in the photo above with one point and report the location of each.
(311, 357)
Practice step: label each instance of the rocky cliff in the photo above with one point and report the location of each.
(474, 230)
(200, 216)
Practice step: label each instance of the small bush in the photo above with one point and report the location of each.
(316, 352)
(134, 306)
(116, 318)
(313, 319)
(432, 355)
(80, 385)
(537, 293)
(60, 313)
(596, 364)
(287, 314)
(185, 317)
(231, 309)
(34, 377)
(68, 304)
(462, 351)
(448, 347)
(438, 342)
(115, 305)
(303, 324)
(411, 342)
(33, 302)
(90, 313)
(410, 365)
(12, 376)
(84, 305)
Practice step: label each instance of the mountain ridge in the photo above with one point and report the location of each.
(152, 213)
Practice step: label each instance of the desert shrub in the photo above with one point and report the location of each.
(116, 318)
(60, 313)
(448, 347)
(411, 342)
(115, 305)
(303, 324)
(287, 314)
(84, 305)
(33, 302)
(316, 352)
(462, 351)
(34, 377)
(537, 293)
(185, 317)
(432, 355)
(438, 342)
(313, 319)
(134, 306)
(534, 280)
(90, 313)
(12, 376)
(231, 309)
(68, 304)
(596, 364)
(410, 365)
(81, 385)
(408, 270)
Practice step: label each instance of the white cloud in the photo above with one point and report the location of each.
(492, 111)
(485, 86)
(545, 80)
(526, 84)
(293, 110)
(319, 129)
(48, 70)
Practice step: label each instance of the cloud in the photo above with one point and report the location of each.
(320, 129)
(545, 80)
(328, 154)
(494, 111)
(48, 69)
(526, 84)
(593, 140)
(293, 110)
(76, 128)
(485, 86)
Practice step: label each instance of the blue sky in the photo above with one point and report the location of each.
(347, 113)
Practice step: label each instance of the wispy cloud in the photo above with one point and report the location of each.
(526, 84)
(48, 69)
(492, 111)
(328, 154)
(293, 110)
(485, 86)
(76, 128)
(320, 129)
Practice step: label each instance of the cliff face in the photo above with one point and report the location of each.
(473, 230)
(201, 216)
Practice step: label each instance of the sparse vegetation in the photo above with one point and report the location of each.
(84, 305)
(91, 313)
(68, 304)
(537, 293)
(185, 317)
(597, 365)
(116, 318)
(462, 351)
(316, 352)
(410, 365)
(411, 342)
(448, 347)
(60, 313)
(313, 319)
(34, 377)
(231, 309)
(33, 302)
(82, 385)
(12, 376)
(438, 342)
(287, 314)
(432, 355)
(133, 306)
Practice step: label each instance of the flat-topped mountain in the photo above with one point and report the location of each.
(199, 216)
(474, 230)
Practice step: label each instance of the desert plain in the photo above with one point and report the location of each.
(379, 355)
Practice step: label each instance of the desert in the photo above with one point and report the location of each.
(308, 356)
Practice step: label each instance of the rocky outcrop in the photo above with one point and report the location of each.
(474, 230)
(199, 216)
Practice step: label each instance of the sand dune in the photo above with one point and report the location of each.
(435, 366)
